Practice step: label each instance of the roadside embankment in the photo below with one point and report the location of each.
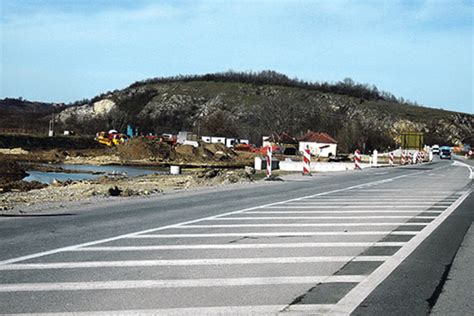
(107, 186)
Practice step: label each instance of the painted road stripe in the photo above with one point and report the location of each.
(153, 284)
(395, 207)
(244, 246)
(273, 234)
(368, 203)
(186, 262)
(301, 225)
(340, 212)
(195, 311)
(321, 217)
(372, 198)
(359, 293)
(100, 241)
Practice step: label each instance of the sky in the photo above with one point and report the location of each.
(68, 50)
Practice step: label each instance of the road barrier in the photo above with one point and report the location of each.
(307, 162)
(269, 161)
(403, 158)
(357, 165)
(410, 161)
(390, 159)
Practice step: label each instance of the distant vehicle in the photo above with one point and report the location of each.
(435, 150)
(445, 152)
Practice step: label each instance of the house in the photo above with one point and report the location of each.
(320, 144)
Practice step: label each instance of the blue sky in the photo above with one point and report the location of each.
(66, 50)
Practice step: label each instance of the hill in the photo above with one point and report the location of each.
(250, 105)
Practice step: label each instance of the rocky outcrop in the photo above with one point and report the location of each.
(87, 112)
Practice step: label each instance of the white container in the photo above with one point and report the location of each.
(175, 170)
(258, 163)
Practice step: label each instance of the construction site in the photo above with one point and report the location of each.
(54, 169)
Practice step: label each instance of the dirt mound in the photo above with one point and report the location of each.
(142, 148)
(22, 186)
(11, 171)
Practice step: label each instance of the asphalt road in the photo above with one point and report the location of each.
(368, 242)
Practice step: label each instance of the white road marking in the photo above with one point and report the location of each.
(186, 262)
(274, 234)
(243, 246)
(308, 309)
(153, 284)
(462, 164)
(195, 311)
(342, 212)
(380, 199)
(100, 241)
(357, 295)
(302, 225)
(395, 207)
(368, 203)
(321, 217)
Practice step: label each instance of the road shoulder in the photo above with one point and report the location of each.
(457, 297)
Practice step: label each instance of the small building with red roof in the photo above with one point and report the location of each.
(319, 143)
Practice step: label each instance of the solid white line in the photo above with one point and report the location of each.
(369, 203)
(302, 225)
(307, 309)
(243, 246)
(359, 293)
(274, 234)
(395, 207)
(100, 241)
(153, 284)
(458, 163)
(340, 212)
(184, 262)
(377, 198)
(195, 311)
(320, 217)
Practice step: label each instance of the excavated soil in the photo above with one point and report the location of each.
(107, 187)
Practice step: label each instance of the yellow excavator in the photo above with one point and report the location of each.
(111, 138)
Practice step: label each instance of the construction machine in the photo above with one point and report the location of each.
(111, 138)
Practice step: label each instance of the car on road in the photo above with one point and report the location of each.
(435, 149)
(445, 152)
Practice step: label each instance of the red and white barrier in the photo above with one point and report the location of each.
(307, 162)
(269, 161)
(357, 165)
(409, 158)
(390, 159)
(403, 158)
(420, 157)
